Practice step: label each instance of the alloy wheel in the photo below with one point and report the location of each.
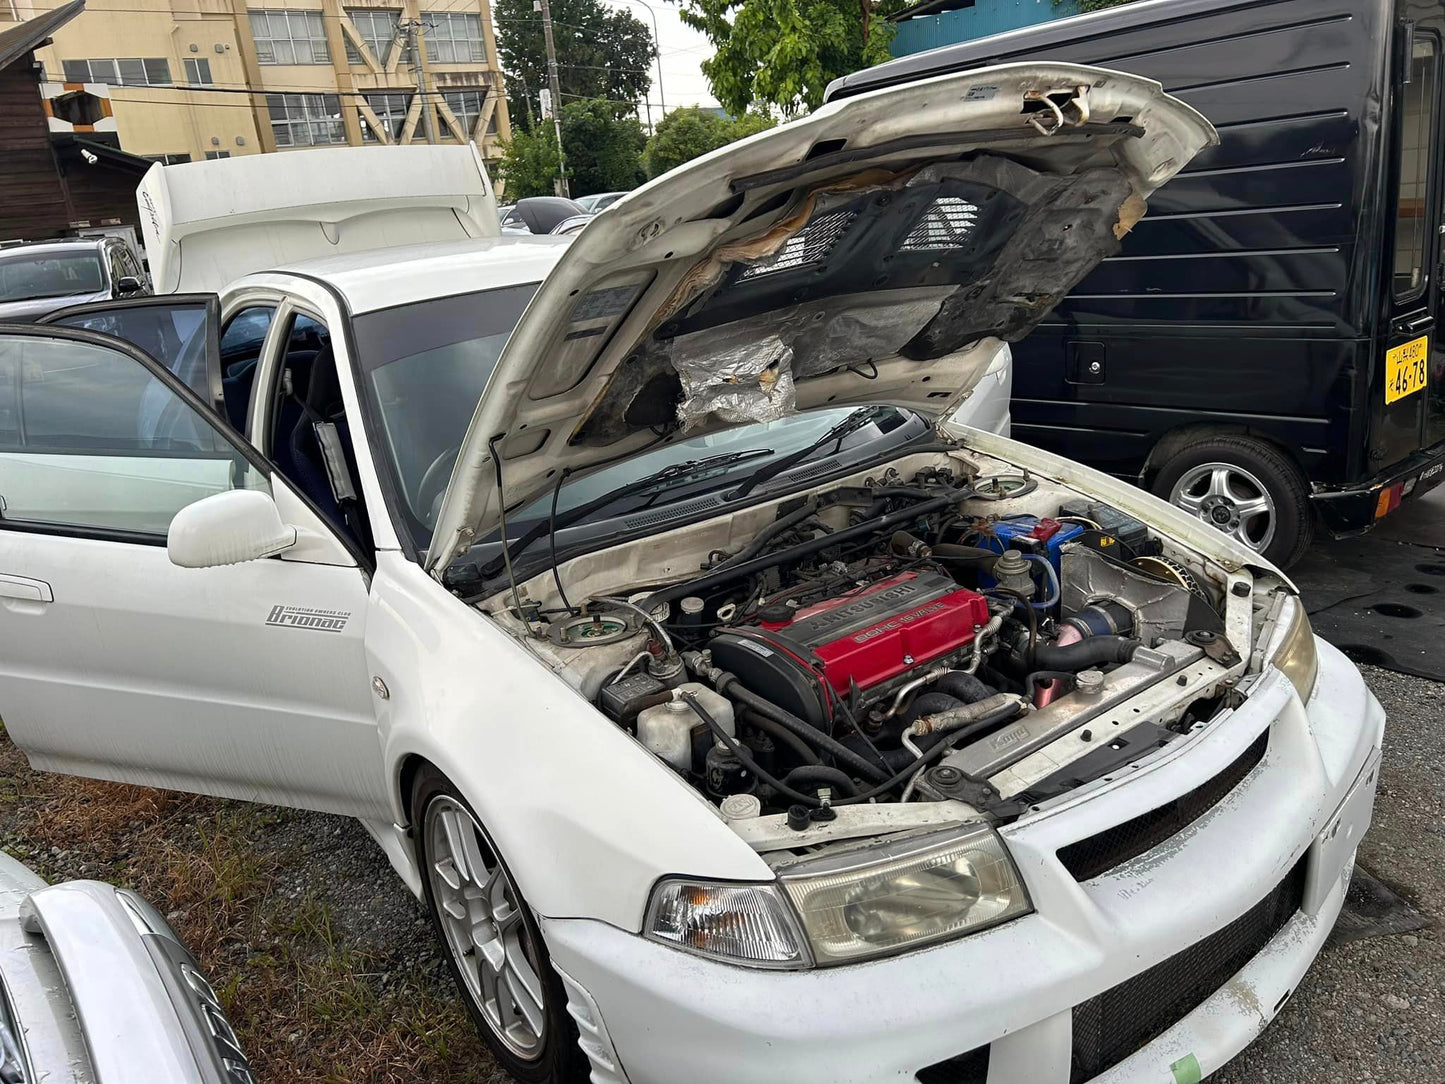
(1231, 499)
(484, 928)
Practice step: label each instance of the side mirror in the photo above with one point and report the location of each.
(227, 529)
(128, 284)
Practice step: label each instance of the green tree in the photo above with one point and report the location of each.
(529, 163)
(685, 134)
(604, 152)
(604, 142)
(1095, 5)
(784, 53)
(601, 53)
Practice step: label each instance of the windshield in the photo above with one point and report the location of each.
(26, 278)
(776, 438)
(423, 370)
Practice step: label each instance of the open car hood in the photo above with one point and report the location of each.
(207, 224)
(874, 251)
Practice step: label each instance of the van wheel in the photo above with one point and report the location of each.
(1245, 488)
(491, 941)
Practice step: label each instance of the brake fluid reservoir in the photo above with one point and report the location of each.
(666, 729)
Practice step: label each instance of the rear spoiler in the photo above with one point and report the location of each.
(209, 223)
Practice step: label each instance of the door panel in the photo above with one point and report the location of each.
(1399, 393)
(248, 680)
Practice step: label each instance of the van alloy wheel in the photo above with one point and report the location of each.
(482, 922)
(1231, 499)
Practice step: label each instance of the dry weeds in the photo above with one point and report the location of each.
(307, 1008)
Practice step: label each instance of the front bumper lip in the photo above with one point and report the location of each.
(672, 1016)
(1351, 510)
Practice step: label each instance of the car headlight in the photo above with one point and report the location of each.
(1295, 654)
(905, 893)
(739, 924)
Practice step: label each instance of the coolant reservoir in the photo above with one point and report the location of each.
(666, 729)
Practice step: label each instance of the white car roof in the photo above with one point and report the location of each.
(68, 244)
(383, 278)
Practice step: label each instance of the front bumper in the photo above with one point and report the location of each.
(1353, 510)
(147, 1014)
(1014, 989)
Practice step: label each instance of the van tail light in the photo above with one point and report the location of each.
(1390, 498)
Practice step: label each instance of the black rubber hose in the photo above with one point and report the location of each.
(1095, 651)
(974, 555)
(703, 584)
(930, 703)
(800, 748)
(820, 774)
(770, 532)
(950, 739)
(745, 756)
(964, 686)
(994, 718)
(730, 686)
(893, 759)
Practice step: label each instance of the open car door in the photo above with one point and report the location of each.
(121, 664)
(181, 331)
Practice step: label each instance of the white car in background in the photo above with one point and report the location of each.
(736, 718)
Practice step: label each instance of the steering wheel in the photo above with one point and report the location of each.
(436, 477)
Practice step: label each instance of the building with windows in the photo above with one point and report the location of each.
(193, 79)
(934, 23)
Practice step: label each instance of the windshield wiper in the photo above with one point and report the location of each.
(851, 424)
(659, 481)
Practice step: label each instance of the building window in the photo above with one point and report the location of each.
(169, 159)
(211, 156)
(289, 37)
(305, 120)
(454, 38)
(467, 105)
(153, 71)
(377, 27)
(391, 110)
(198, 71)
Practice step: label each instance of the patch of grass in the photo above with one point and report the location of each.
(308, 1008)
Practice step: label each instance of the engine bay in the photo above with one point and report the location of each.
(944, 631)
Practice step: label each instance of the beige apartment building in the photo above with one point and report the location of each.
(194, 79)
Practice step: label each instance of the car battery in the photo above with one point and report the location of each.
(1029, 535)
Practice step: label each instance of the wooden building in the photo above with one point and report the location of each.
(54, 185)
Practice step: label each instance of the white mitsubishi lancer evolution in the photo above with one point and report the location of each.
(737, 719)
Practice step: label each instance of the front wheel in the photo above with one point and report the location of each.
(1246, 488)
(496, 953)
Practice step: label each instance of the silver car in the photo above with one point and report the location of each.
(36, 279)
(98, 989)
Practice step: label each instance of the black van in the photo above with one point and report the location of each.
(1263, 351)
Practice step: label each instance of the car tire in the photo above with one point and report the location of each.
(1245, 488)
(522, 1017)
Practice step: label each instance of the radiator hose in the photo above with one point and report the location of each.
(1094, 651)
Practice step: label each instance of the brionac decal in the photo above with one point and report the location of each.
(304, 617)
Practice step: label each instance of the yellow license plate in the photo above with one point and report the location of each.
(1405, 369)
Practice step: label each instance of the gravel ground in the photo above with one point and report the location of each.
(1373, 1012)
(1369, 1012)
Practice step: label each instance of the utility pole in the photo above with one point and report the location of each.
(546, 9)
(418, 64)
(657, 44)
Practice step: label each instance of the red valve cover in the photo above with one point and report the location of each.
(881, 631)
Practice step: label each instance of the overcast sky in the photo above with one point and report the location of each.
(682, 49)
